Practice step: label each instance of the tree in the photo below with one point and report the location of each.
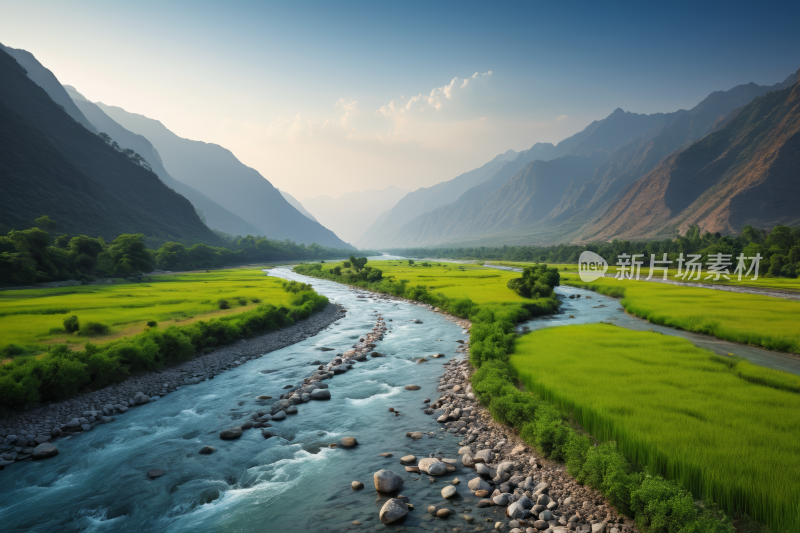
(536, 282)
(171, 256)
(126, 256)
(46, 223)
(358, 263)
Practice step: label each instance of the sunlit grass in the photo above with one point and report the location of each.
(677, 409)
(481, 285)
(31, 318)
(773, 323)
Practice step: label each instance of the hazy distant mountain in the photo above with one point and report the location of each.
(52, 165)
(215, 172)
(426, 199)
(47, 81)
(294, 202)
(214, 215)
(631, 145)
(352, 213)
(500, 206)
(744, 173)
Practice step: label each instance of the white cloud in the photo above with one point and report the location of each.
(433, 100)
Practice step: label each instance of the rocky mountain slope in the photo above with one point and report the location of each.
(214, 215)
(217, 173)
(747, 172)
(52, 164)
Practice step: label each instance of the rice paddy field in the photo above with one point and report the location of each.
(773, 323)
(780, 284)
(481, 285)
(683, 412)
(33, 318)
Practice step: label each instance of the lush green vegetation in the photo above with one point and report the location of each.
(31, 320)
(779, 248)
(40, 254)
(677, 410)
(537, 281)
(63, 371)
(480, 294)
(746, 318)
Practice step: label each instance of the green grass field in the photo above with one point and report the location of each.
(746, 318)
(33, 318)
(781, 284)
(481, 285)
(682, 411)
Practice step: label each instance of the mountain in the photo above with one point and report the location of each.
(47, 81)
(501, 205)
(214, 215)
(426, 199)
(744, 173)
(633, 145)
(215, 172)
(352, 213)
(50, 164)
(294, 202)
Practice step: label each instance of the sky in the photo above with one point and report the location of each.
(335, 97)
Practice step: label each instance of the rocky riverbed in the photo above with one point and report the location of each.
(30, 435)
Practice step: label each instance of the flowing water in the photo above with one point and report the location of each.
(290, 483)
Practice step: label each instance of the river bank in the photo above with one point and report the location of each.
(25, 431)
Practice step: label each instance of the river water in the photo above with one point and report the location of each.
(290, 483)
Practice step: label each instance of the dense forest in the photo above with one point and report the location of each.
(779, 249)
(41, 254)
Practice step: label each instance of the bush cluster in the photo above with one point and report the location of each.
(64, 372)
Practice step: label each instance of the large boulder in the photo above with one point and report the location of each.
(484, 470)
(426, 462)
(45, 450)
(502, 499)
(348, 442)
(466, 460)
(515, 510)
(393, 511)
(232, 433)
(387, 481)
(321, 394)
(479, 484)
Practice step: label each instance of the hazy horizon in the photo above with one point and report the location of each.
(292, 91)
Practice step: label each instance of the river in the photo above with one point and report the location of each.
(290, 483)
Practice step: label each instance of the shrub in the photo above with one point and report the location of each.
(242, 301)
(223, 304)
(56, 331)
(661, 506)
(255, 300)
(10, 350)
(93, 328)
(71, 324)
(152, 323)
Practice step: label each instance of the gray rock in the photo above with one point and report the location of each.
(437, 469)
(449, 491)
(44, 451)
(467, 461)
(484, 456)
(74, 423)
(41, 439)
(443, 513)
(207, 450)
(280, 415)
(479, 484)
(484, 503)
(356, 485)
(393, 511)
(525, 502)
(232, 433)
(545, 515)
(541, 525)
(86, 427)
(541, 488)
(139, 400)
(154, 473)
(543, 499)
(321, 394)
(484, 470)
(515, 511)
(502, 499)
(599, 528)
(387, 481)
(291, 410)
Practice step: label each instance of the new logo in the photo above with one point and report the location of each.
(591, 266)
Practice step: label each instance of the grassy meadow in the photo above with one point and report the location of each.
(32, 319)
(680, 410)
(780, 284)
(746, 318)
(481, 285)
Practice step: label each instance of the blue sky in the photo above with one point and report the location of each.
(326, 97)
